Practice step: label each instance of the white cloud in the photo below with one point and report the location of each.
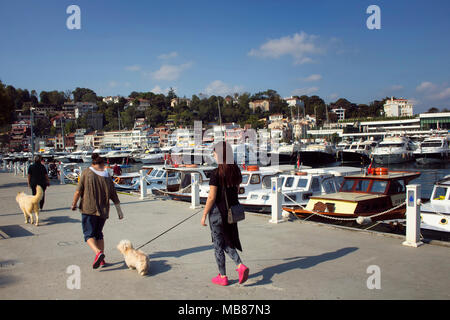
(396, 87)
(305, 91)
(172, 54)
(425, 86)
(133, 68)
(313, 77)
(158, 90)
(170, 72)
(220, 88)
(300, 46)
(334, 96)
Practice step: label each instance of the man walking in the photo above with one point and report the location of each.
(37, 175)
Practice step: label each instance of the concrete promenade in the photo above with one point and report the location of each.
(291, 260)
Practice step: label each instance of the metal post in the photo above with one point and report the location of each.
(32, 135)
(276, 200)
(143, 184)
(25, 169)
(61, 174)
(195, 190)
(15, 168)
(413, 202)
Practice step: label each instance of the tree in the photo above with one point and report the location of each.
(6, 106)
(79, 93)
(433, 110)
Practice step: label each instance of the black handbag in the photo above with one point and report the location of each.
(236, 212)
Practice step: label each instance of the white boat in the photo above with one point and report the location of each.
(86, 156)
(75, 156)
(298, 187)
(153, 155)
(435, 214)
(393, 150)
(433, 150)
(357, 151)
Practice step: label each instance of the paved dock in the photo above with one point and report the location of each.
(291, 260)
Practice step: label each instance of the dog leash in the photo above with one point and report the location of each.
(169, 229)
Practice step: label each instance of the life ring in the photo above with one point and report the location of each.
(300, 173)
(117, 180)
(191, 166)
(252, 168)
(381, 171)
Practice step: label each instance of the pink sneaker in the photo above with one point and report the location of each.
(243, 273)
(98, 259)
(221, 281)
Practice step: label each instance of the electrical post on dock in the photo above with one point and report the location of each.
(195, 190)
(143, 184)
(276, 200)
(413, 202)
(61, 174)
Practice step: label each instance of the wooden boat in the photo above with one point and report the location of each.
(363, 195)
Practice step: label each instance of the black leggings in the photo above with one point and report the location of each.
(215, 222)
(33, 190)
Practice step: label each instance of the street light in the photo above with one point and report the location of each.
(32, 135)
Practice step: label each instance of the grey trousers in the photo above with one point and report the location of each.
(215, 223)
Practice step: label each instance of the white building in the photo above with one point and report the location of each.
(398, 108)
(111, 99)
(340, 112)
(294, 102)
(125, 139)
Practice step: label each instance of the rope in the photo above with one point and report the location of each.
(167, 192)
(344, 219)
(184, 220)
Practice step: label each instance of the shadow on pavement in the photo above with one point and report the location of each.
(179, 253)
(298, 263)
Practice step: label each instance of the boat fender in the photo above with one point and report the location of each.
(363, 220)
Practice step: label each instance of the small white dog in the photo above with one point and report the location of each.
(135, 259)
(29, 204)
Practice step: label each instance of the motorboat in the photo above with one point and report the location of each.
(433, 150)
(317, 154)
(393, 150)
(75, 156)
(381, 192)
(357, 152)
(298, 186)
(435, 214)
(153, 155)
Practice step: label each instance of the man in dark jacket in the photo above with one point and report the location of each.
(37, 175)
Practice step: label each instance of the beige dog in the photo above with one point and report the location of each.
(28, 204)
(135, 259)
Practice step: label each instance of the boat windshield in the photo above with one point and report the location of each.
(302, 183)
(378, 186)
(362, 185)
(431, 144)
(439, 193)
(391, 145)
(245, 178)
(347, 186)
(289, 182)
(329, 186)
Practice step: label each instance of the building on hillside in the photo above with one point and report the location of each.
(176, 101)
(110, 99)
(265, 105)
(79, 138)
(78, 109)
(88, 140)
(95, 120)
(143, 104)
(98, 139)
(398, 108)
(294, 102)
(276, 117)
(340, 113)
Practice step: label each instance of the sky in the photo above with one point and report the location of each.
(298, 47)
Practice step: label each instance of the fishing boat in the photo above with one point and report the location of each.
(363, 195)
(435, 214)
(433, 150)
(297, 187)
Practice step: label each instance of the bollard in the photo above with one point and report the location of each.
(195, 190)
(143, 184)
(277, 199)
(413, 216)
(4, 165)
(25, 169)
(61, 174)
(16, 168)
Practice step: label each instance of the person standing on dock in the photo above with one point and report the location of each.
(37, 175)
(95, 189)
(224, 181)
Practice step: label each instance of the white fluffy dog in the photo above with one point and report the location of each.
(28, 204)
(135, 259)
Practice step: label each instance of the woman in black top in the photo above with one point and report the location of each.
(224, 180)
(37, 175)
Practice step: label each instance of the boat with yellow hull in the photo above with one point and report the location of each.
(363, 195)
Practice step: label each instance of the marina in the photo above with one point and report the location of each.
(291, 260)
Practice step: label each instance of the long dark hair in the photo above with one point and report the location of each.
(229, 172)
(96, 159)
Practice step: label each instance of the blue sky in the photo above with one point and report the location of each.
(220, 47)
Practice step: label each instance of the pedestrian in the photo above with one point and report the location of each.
(224, 181)
(117, 170)
(37, 175)
(96, 189)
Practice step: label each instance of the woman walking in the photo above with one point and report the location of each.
(224, 181)
(95, 188)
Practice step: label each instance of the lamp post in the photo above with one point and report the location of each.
(32, 135)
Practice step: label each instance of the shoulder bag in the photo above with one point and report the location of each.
(236, 212)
